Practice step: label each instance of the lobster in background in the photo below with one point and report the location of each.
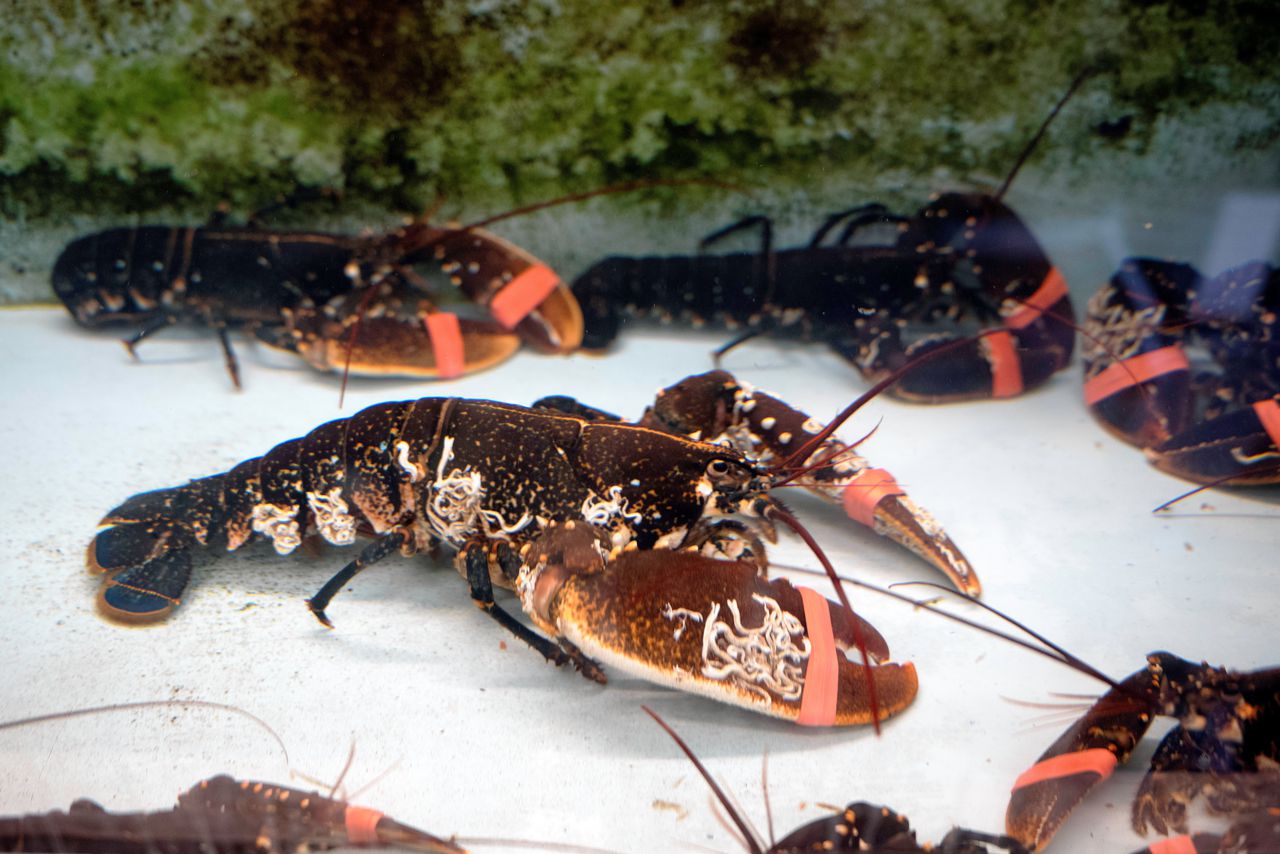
(962, 264)
(610, 533)
(965, 263)
(858, 827)
(1211, 421)
(1226, 747)
(218, 816)
(333, 299)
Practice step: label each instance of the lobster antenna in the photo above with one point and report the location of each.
(624, 187)
(1050, 651)
(1044, 126)
(805, 450)
(150, 704)
(764, 791)
(748, 832)
(1217, 481)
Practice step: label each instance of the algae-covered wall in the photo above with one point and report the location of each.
(122, 110)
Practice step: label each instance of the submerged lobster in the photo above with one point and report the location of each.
(332, 299)
(609, 532)
(859, 826)
(962, 264)
(1211, 420)
(1226, 747)
(218, 816)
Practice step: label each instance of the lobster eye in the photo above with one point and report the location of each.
(718, 467)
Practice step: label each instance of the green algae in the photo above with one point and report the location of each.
(486, 99)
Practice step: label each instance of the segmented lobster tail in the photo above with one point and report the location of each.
(693, 287)
(1084, 756)
(343, 476)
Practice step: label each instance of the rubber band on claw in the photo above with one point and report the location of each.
(1135, 371)
(1268, 412)
(1174, 845)
(523, 294)
(446, 343)
(822, 676)
(1051, 291)
(1098, 761)
(867, 489)
(1006, 371)
(362, 825)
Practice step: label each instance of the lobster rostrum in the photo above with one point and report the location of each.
(1226, 746)
(600, 527)
(859, 826)
(1188, 368)
(332, 299)
(715, 407)
(219, 816)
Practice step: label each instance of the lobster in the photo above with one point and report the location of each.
(964, 263)
(219, 815)
(860, 826)
(332, 299)
(1225, 746)
(1217, 422)
(613, 545)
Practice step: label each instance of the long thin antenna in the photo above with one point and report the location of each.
(1044, 126)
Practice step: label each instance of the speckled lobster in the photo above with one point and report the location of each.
(611, 534)
(218, 816)
(1226, 747)
(1188, 368)
(334, 299)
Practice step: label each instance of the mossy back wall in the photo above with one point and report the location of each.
(131, 111)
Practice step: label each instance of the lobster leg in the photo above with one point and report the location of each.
(715, 407)
(131, 343)
(1079, 760)
(380, 548)
(475, 559)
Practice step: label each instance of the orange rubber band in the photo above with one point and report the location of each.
(1051, 290)
(867, 489)
(1006, 370)
(446, 343)
(1268, 412)
(523, 294)
(1097, 760)
(362, 825)
(822, 675)
(1175, 845)
(1135, 371)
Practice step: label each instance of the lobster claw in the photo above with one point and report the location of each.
(427, 344)
(1242, 446)
(714, 627)
(716, 407)
(521, 293)
(294, 820)
(1085, 755)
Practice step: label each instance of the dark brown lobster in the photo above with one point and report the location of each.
(612, 534)
(218, 816)
(1226, 747)
(1188, 368)
(333, 299)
